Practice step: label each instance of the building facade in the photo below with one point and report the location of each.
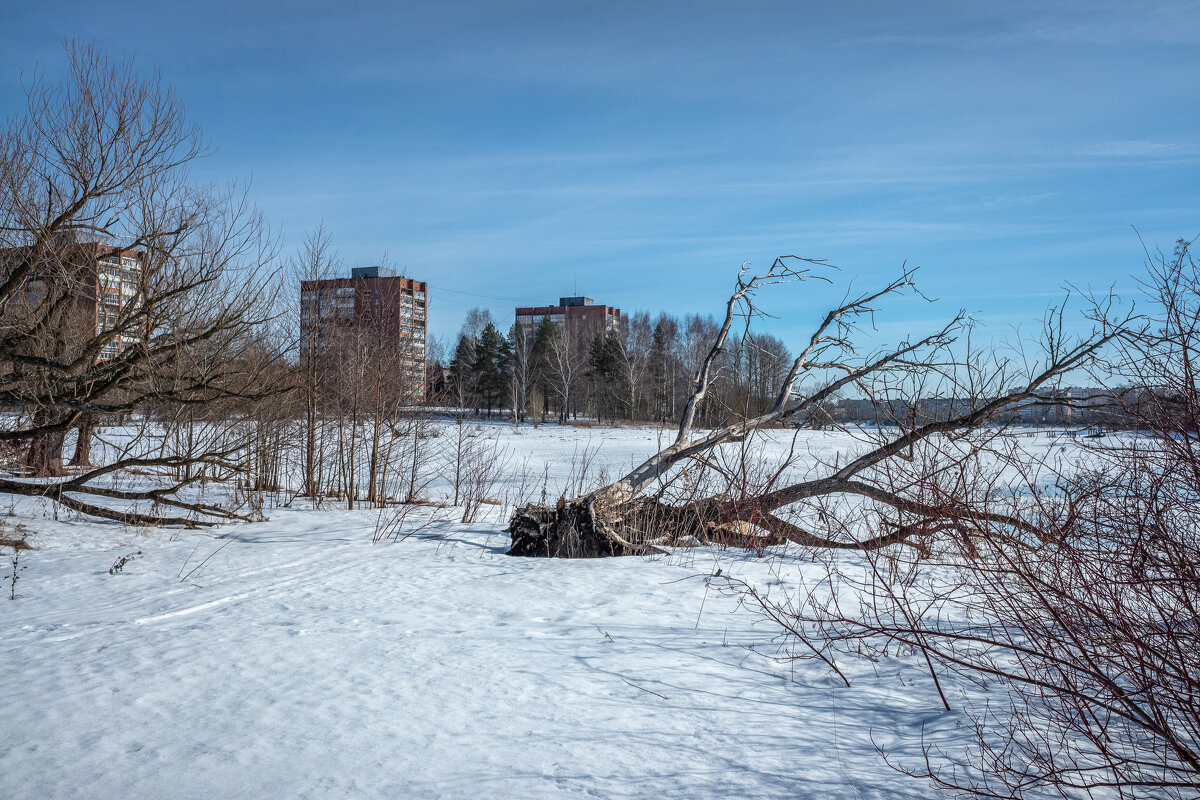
(103, 282)
(119, 276)
(577, 315)
(371, 308)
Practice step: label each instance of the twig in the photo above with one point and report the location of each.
(647, 691)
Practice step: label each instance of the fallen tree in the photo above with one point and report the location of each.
(889, 472)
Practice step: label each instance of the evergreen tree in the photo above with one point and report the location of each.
(461, 379)
(491, 358)
(660, 371)
(605, 373)
(542, 340)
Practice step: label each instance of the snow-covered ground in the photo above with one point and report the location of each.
(294, 658)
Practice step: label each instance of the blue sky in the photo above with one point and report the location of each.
(640, 151)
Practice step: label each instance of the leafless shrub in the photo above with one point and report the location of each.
(120, 563)
(400, 522)
(1079, 618)
(15, 574)
(481, 467)
(17, 541)
(462, 446)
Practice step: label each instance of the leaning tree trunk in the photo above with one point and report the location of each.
(588, 527)
(83, 443)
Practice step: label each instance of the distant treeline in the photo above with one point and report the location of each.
(643, 373)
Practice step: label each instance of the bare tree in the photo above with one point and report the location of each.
(621, 518)
(314, 261)
(524, 370)
(416, 428)
(480, 466)
(566, 362)
(471, 465)
(475, 321)
(96, 172)
(662, 368)
(696, 335)
(638, 341)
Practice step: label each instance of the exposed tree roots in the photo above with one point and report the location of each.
(571, 530)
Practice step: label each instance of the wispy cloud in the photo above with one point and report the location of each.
(1143, 149)
(1169, 22)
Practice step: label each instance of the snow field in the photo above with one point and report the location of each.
(297, 659)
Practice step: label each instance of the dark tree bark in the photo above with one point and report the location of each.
(83, 442)
(569, 531)
(44, 455)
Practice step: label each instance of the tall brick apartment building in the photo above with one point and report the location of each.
(103, 281)
(578, 315)
(389, 310)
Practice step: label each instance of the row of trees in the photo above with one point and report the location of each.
(639, 373)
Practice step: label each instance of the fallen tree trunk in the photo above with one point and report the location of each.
(590, 528)
(890, 477)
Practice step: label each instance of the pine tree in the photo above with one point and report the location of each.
(543, 338)
(660, 371)
(491, 358)
(462, 373)
(605, 373)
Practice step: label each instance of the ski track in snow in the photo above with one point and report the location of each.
(302, 661)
